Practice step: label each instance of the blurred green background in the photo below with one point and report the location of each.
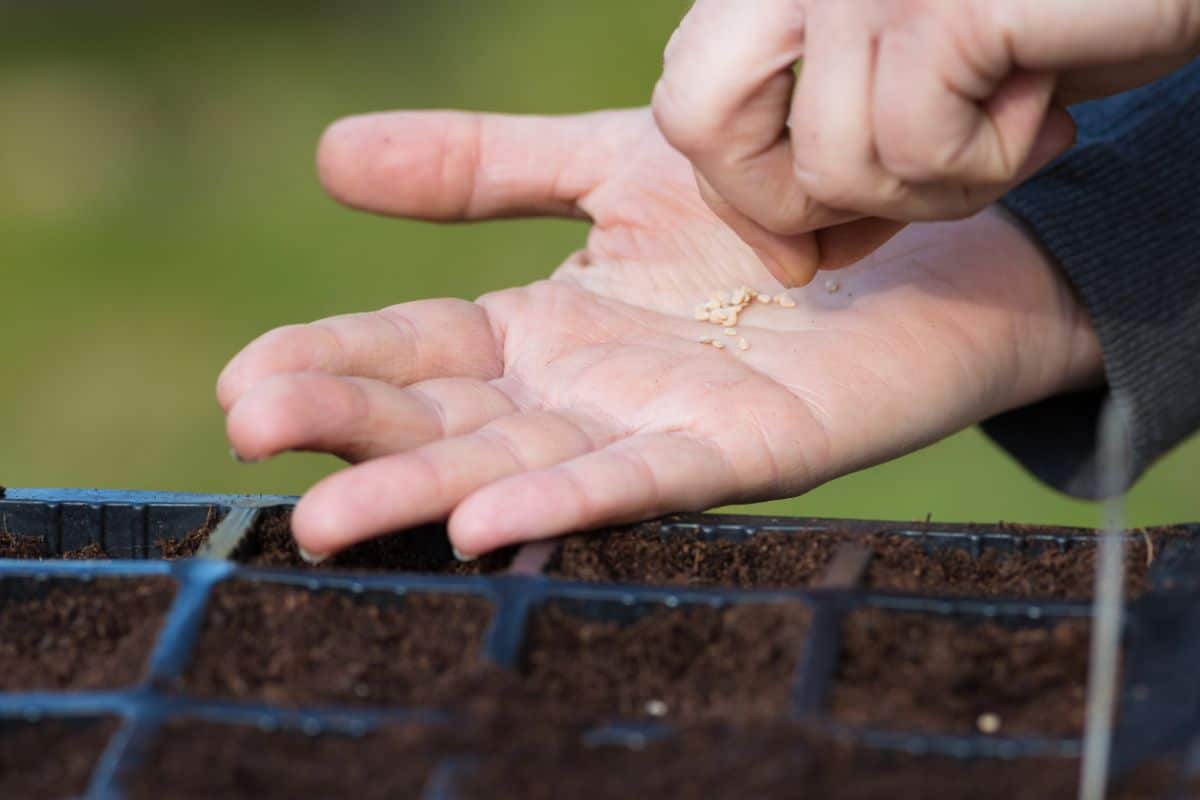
(158, 210)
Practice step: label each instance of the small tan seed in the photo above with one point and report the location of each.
(719, 345)
(706, 340)
(712, 304)
(765, 299)
(656, 708)
(743, 344)
(988, 723)
(731, 331)
(786, 301)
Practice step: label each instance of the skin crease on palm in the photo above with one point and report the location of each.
(587, 398)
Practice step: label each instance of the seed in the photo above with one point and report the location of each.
(731, 331)
(988, 723)
(731, 320)
(765, 299)
(706, 340)
(743, 344)
(719, 345)
(656, 708)
(712, 304)
(832, 286)
(700, 313)
(786, 301)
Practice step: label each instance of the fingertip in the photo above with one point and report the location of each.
(250, 432)
(494, 517)
(791, 260)
(471, 531)
(522, 508)
(229, 386)
(789, 270)
(279, 413)
(320, 525)
(224, 392)
(338, 151)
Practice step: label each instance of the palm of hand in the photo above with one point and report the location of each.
(588, 398)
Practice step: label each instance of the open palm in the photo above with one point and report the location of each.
(589, 398)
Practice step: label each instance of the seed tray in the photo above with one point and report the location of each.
(1160, 706)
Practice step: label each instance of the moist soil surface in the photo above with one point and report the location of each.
(426, 549)
(776, 764)
(687, 663)
(52, 758)
(16, 546)
(190, 544)
(198, 759)
(69, 634)
(917, 672)
(902, 564)
(648, 554)
(291, 646)
(26, 548)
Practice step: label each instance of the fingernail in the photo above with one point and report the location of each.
(790, 274)
(241, 460)
(466, 559)
(310, 558)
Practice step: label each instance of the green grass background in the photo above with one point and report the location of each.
(158, 210)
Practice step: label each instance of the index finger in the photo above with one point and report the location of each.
(450, 166)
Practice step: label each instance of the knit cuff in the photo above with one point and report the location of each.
(1120, 213)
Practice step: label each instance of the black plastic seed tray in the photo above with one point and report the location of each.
(1160, 706)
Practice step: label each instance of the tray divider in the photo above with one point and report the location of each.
(515, 599)
(229, 533)
(816, 668)
(136, 729)
(173, 649)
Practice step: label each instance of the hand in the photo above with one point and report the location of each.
(904, 109)
(588, 398)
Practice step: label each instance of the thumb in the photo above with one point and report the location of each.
(451, 165)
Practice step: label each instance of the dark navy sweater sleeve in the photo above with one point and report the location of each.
(1120, 213)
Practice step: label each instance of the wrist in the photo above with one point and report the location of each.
(1076, 363)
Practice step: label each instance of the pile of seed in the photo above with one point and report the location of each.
(725, 309)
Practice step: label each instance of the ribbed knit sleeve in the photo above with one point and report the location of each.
(1120, 212)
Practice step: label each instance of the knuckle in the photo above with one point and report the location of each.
(829, 188)
(944, 160)
(889, 193)
(840, 192)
